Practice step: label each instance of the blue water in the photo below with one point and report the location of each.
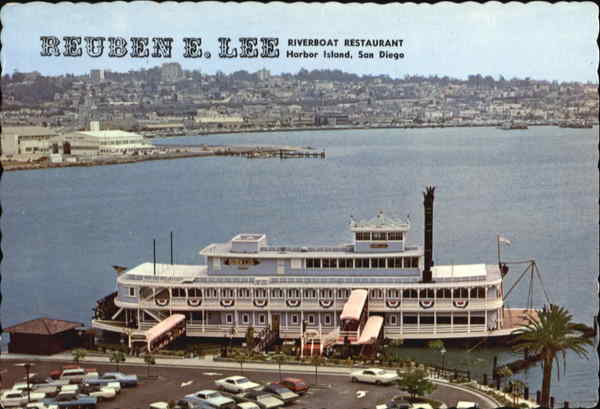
(63, 229)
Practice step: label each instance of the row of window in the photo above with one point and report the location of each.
(373, 262)
(428, 319)
(324, 293)
(379, 236)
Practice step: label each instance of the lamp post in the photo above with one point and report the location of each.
(27, 366)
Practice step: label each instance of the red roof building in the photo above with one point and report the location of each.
(43, 336)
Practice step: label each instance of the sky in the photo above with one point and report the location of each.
(537, 40)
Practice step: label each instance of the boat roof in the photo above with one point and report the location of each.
(381, 222)
(168, 270)
(465, 271)
(344, 250)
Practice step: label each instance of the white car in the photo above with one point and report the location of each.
(236, 384)
(213, 398)
(374, 375)
(40, 405)
(100, 392)
(14, 398)
(248, 405)
(462, 404)
(421, 406)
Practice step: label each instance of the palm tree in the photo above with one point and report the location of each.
(117, 357)
(549, 334)
(78, 354)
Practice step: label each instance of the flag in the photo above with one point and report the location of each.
(504, 240)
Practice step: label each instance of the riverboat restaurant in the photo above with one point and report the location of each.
(43, 336)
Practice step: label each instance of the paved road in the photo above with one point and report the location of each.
(335, 391)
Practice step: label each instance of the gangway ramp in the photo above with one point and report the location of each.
(371, 331)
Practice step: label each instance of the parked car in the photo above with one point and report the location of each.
(213, 398)
(374, 375)
(236, 384)
(264, 400)
(56, 374)
(182, 404)
(18, 398)
(395, 403)
(40, 405)
(124, 380)
(74, 400)
(76, 375)
(48, 390)
(283, 393)
(71, 388)
(421, 406)
(462, 404)
(247, 405)
(99, 391)
(296, 385)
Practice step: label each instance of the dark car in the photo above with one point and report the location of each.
(296, 385)
(281, 392)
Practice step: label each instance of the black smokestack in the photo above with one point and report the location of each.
(428, 203)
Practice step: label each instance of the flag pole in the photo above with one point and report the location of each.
(498, 243)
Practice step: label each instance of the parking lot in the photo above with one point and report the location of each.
(168, 383)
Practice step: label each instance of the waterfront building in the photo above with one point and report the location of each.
(25, 142)
(378, 286)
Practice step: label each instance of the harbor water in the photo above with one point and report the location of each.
(63, 229)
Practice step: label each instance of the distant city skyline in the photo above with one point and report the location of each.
(538, 40)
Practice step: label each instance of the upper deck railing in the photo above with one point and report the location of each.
(345, 248)
(223, 279)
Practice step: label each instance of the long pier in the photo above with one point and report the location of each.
(266, 153)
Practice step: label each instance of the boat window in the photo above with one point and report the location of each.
(442, 319)
(211, 292)
(294, 318)
(443, 293)
(313, 263)
(377, 263)
(329, 263)
(311, 319)
(326, 293)
(409, 319)
(131, 291)
(426, 293)
(394, 262)
(426, 319)
(194, 292)
(260, 292)
(244, 292)
(293, 293)
(327, 318)
(393, 293)
(477, 318)
(276, 293)
(261, 318)
(409, 293)
(227, 292)
(178, 292)
(245, 318)
(376, 293)
(363, 236)
(379, 236)
(478, 292)
(310, 293)
(460, 319)
(196, 316)
(343, 293)
(461, 292)
(229, 318)
(395, 235)
(346, 263)
(413, 262)
(361, 263)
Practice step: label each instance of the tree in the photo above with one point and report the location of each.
(117, 357)
(415, 383)
(149, 360)
(78, 354)
(250, 337)
(549, 333)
